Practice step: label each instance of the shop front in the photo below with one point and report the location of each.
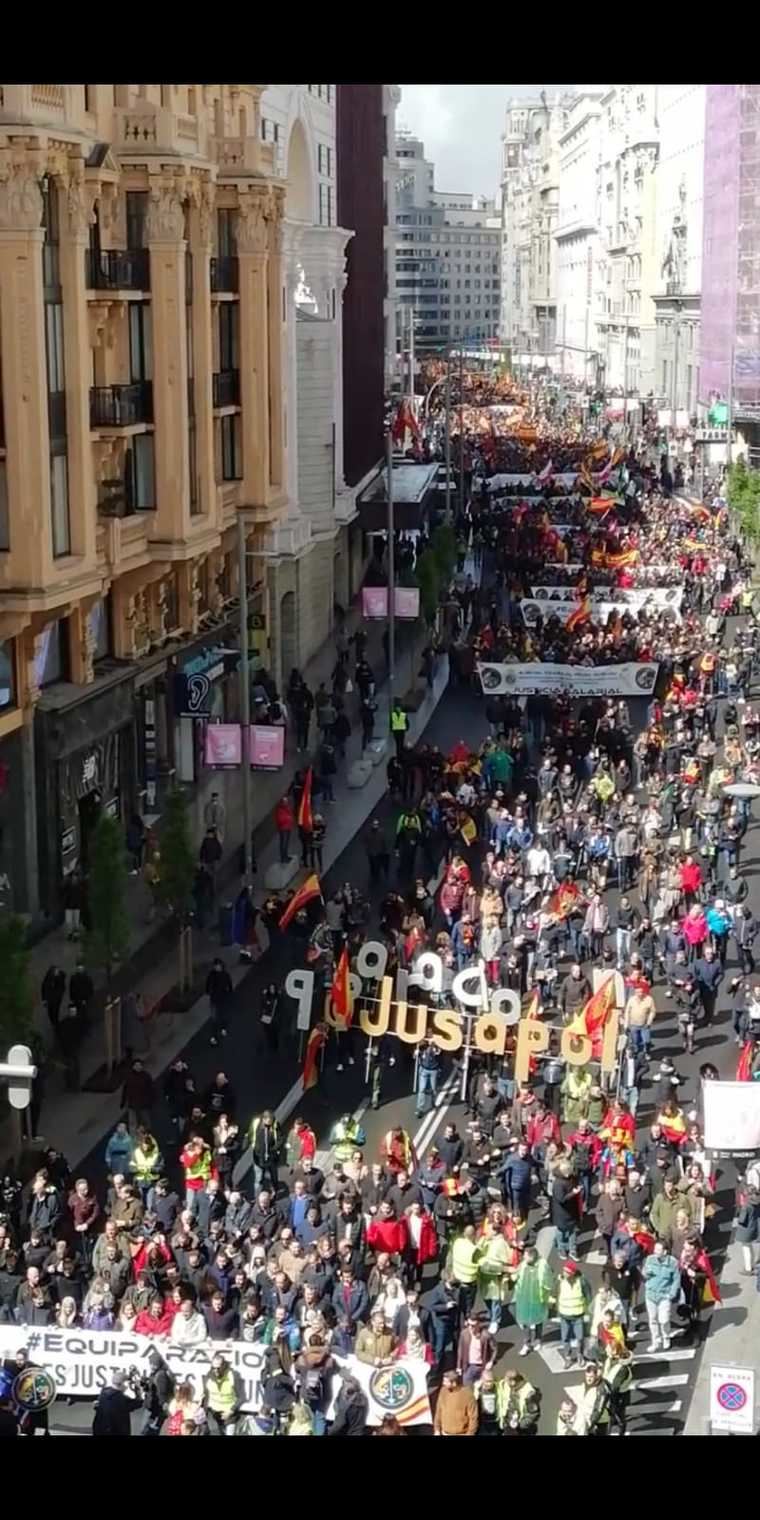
(85, 765)
(204, 689)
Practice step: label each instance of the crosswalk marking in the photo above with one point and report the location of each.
(645, 1409)
(550, 1355)
(671, 1380)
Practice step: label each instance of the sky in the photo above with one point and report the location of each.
(461, 127)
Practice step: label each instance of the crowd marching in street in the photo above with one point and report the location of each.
(586, 858)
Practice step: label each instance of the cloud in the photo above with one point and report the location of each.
(461, 126)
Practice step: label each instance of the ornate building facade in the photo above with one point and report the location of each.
(160, 373)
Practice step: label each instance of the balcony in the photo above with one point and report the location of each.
(226, 388)
(224, 276)
(121, 406)
(118, 269)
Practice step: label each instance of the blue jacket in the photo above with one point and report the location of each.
(718, 922)
(519, 839)
(358, 1301)
(119, 1152)
(662, 1279)
(516, 1173)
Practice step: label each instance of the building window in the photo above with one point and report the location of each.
(140, 474)
(51, 278)
(99, 622)
(5, 528)
(228, 339)
(7, 674)
(232, 460)
(226, 233)
(50, 663)
(59, 504)
(326, 216)
(140, 342)
(137, 211)
(324, 160)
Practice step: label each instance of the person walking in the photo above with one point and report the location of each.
(399, 726)
(573, 1307)
(662, 1286)
(534, 1288)
(219, 990)
(284, 820)
(52, 992)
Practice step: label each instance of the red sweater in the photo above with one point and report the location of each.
(283, 817)
(145, 1324)
(691, 877)
(391, 1235)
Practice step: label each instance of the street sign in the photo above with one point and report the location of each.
(732, 1399)
(22, 1069)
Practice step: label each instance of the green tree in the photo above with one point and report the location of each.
(743, 494)
(108, 938)
(427, 576)
(444, 547)
(16, 996)
(177, 864)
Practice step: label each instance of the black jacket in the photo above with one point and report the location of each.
(350, 1416)
(112, 1413)
(219, 985)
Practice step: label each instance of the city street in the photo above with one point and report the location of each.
(662, 1389)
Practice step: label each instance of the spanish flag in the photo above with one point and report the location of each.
(699, 510)
(710, 1290)
(305, 894)
(744, 1067)
(562, 900)
(340, 991)
(622, 559)
(531, 1007)
(600, 504)
(594, 1014)
(581, 615)
(305, 816)
(314, 1045)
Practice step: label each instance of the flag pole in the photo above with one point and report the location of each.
(391, 571)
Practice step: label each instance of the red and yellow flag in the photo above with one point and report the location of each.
(744, 1067)
(305, 815)
(305, 894)
(581, 615)
(622, 558)
(340, 991)
(531, 1008)
(700, 511)
(600, 504)
(311, 1060)
(562, 900)
(593, 1016)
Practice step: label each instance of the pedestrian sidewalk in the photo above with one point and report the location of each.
(149, 933)
(71, 1122)
(732, 1340)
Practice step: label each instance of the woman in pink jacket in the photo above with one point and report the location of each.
(695, 930)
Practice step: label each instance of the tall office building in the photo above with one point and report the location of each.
(447, 257)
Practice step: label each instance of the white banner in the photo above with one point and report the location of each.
(732, 1116)
(562, 601)
(627, 680)
(82, 1361)
(400, 1390)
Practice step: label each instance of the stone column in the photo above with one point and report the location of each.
(201, 220)
(324, 258)
(253, 257)
(166, 241)
(22, 325)
(291, 240)
(77, 212)
(276, 337)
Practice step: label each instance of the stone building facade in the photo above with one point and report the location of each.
(158, 251)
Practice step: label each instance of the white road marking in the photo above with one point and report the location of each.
(550, 1355)
(670, 1380)
(433, 1119)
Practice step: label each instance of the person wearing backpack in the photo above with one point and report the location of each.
(314, 1368)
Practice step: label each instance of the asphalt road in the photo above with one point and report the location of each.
(663, 1384)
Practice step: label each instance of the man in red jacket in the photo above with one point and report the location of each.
(541, 1127)
(386, 1233)
(691, 879)
(284, 823)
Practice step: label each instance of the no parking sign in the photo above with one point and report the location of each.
(732, 1399)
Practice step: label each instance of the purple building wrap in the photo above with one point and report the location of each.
(731, 246)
